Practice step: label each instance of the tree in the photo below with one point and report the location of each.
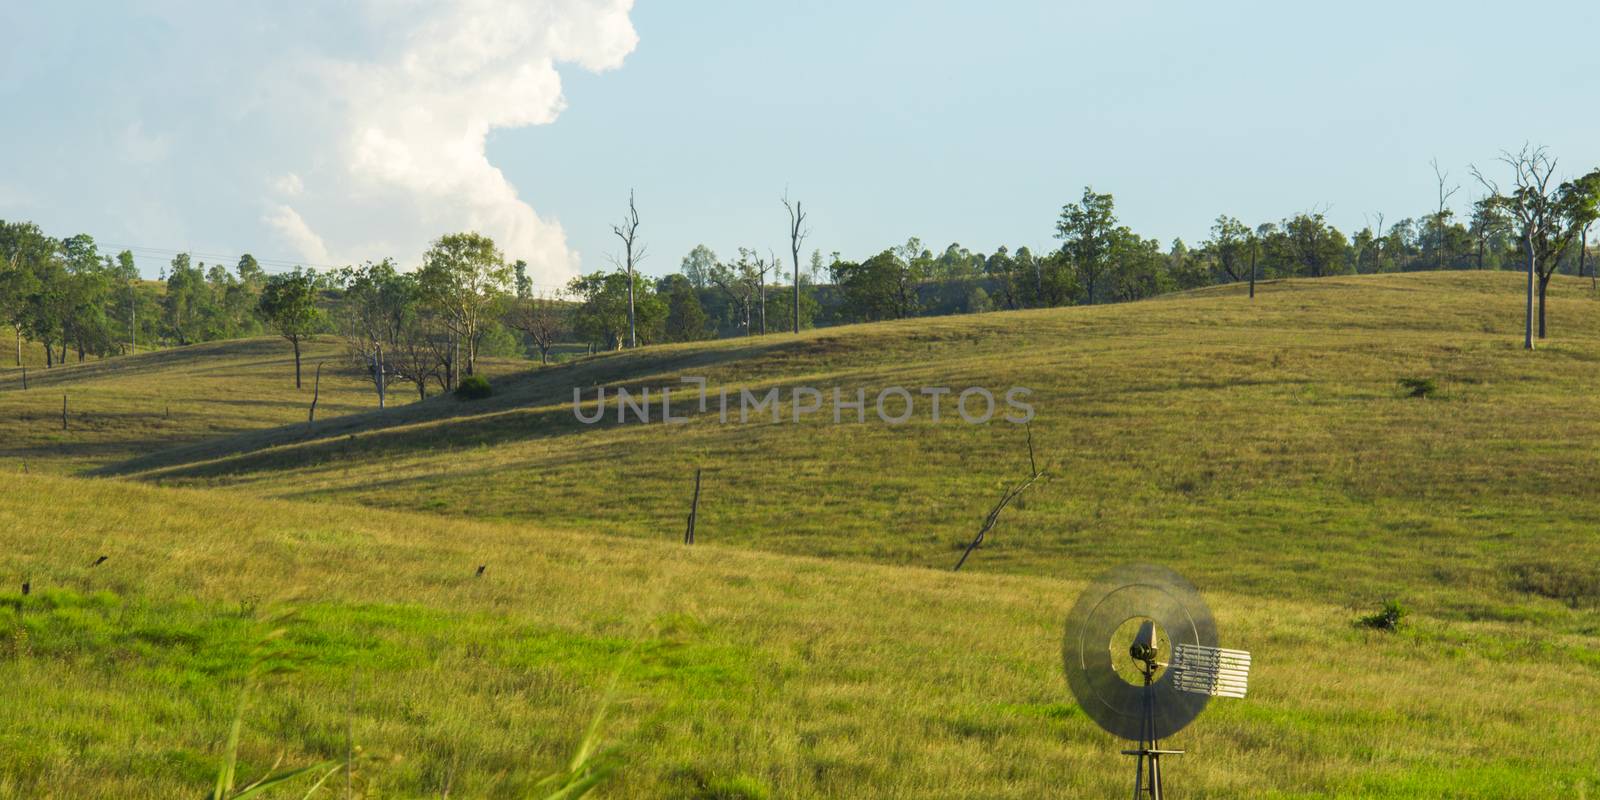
(542, 319)
(22, 247)
(524, 284)
(697, 265)
(1228, 245)
(1140, 268)
(1489, 223)
(250, 272)
(601, 316)
(686, 318)
(1086, 230)
(741, 283)
(289, 304)
(1001, 270)
(633, 253)
(1318, 249)
(882, 287)
(1441, 217)
(1580, 206)
(1534, 207)
(797, 236)
(464, 277)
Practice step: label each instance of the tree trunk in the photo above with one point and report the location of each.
(296, 343)
(1253, 274)
(633, 333)
(1544, 283)
(1527, 328)
(19, 347)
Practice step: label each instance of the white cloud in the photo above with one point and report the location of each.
(297, 234)
(289, 184)
(398, 156)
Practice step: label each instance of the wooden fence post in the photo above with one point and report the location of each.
(694, 510)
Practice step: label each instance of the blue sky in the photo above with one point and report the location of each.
(336, 133)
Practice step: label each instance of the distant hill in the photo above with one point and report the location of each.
(1269, 441)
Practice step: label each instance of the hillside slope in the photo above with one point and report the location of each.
(127, 407)
(1265, 442)
(743, 675)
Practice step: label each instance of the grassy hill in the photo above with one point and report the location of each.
(815, 643)
(742, 674)
(1267, 445)
(126, 407)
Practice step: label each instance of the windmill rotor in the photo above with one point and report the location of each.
(1140, 655)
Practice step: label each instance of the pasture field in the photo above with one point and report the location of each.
(122, 408)
(1257, 441)
(815, 642)
(743, 674)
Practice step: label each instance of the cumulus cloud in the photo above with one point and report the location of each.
(410, 120)
(294, 231)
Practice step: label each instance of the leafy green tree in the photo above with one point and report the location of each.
(697, 266)
(1140, 269)
(289, 305)
(1580, 208)
(1490, 226)
(1001, 270)
(686, 319)
(250, 272)
(601, 316)
(1317, 247)
(524, 284)
(465, 277)
(22, 248)
(184, 306)
(783, 313)
(1086, 230)
(882, 287)
(1228, 247)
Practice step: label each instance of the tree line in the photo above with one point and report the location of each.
(428, 326)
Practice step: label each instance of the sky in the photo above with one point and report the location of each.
(331, 133)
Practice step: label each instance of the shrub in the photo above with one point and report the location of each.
(1387, 618)
(474, 387)
(1419, 387)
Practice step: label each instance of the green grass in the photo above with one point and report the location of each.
(1268, 444)
(742, 673)
(125, 407)
(815, 644)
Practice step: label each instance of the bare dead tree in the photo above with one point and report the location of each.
(763, 267)
(1005, 500)
(797, 236)
(633, 253)
(540, 319)
(1443, 176)
(1533, 205)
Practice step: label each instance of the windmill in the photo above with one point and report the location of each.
(1141, 656)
